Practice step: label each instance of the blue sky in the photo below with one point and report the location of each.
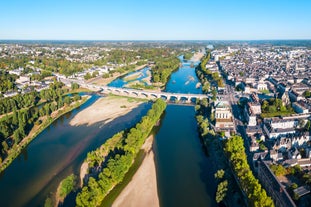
(155, 19)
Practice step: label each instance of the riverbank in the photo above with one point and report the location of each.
(38, 129)
(142, 190)
(105, 109)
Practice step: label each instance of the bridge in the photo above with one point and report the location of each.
(188, 98)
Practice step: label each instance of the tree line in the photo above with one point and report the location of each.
(206, 77)
(23, 112)
(256, 194)
(209, 139)
(233, 148)
(114, 158)
(21, 101)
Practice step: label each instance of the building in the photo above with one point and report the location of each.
(299, 108)
(260, 86)
(275, 127)
(223, 115)
(294, 96)
(254, 145)
(251, 110)
(273, 187)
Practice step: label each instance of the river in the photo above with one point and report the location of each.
(57, 152)
(184, 172)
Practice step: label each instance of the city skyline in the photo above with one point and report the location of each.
(160, 20)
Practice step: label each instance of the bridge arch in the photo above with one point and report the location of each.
(117, 91)
(153, 95)
(173, 98)
(144, 94)
(164, 97)
(193, 99)
(125, 92)
(184, 99)
(135, 93)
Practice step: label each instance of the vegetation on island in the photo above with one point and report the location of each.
(65, 187)
(109, 163)
(163, 68)
(188, 55)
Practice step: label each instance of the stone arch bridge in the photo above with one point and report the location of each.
(188, 98)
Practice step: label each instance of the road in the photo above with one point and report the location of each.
(233, 97)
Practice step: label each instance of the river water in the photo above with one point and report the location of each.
(184, 172)
(57, 152)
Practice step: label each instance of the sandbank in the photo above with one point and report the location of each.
(104, 109)
(142, 190)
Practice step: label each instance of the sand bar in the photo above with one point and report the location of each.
(104, 109)
(197, 56)
(142, 190)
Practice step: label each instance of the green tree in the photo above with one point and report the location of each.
(278, 170)
(67, 100)
(307, 126)
(74, 86)
(222, 189)
(307, 94)
(219, 174)
(67, 185)
(87, 76)
(214, 92)
(234, 147)
(5, 146)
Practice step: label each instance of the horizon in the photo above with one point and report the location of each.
(149, 40)
(155, 21)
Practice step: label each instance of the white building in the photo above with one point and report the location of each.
(223, 115)
(275, 127)
(261, 86)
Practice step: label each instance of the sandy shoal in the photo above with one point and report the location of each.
(104, 109)
(142, 190)
(106, 81)
(197, 56)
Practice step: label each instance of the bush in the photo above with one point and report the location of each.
(67, 185)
